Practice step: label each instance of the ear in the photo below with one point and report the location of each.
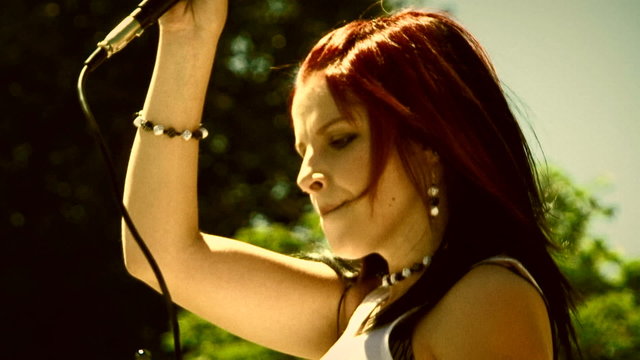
(431, 157)
(434, 165)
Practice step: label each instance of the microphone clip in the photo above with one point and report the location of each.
(121, 35)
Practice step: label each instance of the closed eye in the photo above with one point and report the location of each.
(342, 141)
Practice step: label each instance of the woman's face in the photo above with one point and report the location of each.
(335, 155)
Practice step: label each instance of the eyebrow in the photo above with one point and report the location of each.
(323, 129)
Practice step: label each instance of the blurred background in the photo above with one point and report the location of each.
(570, 69)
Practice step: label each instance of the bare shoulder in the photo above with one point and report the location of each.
(491, 313)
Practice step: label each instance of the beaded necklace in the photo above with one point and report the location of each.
(391, 279)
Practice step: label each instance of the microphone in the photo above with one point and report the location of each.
(145, 14)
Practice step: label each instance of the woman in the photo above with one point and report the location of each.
(416, 165)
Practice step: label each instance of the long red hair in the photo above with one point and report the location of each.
(426, 81)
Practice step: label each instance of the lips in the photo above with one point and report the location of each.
(325, 210)
(328, 209)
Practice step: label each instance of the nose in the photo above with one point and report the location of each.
(310, 180)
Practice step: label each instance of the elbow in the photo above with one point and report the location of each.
(134, 260)
(139, 268)
(134, 267)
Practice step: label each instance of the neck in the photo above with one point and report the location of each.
(402, 253)
(407, 254)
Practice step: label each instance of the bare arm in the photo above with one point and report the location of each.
(283, 303)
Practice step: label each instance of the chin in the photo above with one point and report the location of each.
(347, 239)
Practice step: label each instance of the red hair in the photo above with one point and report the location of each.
(426, 81)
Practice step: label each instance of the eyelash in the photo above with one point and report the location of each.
(342, 141)
(337, 143)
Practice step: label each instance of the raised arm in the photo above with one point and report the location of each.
(275, 300)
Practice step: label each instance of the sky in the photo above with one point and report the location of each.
(574, 66)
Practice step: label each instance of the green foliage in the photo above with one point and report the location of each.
(610, 326)
(608, 312)
(570, 209)
(203, 341)
(303, 237)
(585, 260)
(630, 276)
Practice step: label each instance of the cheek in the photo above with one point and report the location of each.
(396, 193)
(355, 169)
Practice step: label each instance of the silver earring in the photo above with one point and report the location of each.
(434, 200)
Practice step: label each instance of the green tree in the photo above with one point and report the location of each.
(608, 312)
(610, 326)
(203, 341)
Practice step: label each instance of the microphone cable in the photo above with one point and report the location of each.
(94, 130)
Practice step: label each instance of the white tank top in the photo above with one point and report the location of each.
(354, 344)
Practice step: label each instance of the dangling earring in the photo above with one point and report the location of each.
(434, 200)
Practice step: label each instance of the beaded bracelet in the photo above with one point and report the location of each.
(147, 125)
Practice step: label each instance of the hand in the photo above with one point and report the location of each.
(202, 16)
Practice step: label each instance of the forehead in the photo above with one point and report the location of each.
(312, 103)
(313, 107)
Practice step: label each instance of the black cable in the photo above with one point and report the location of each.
(95, 132)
